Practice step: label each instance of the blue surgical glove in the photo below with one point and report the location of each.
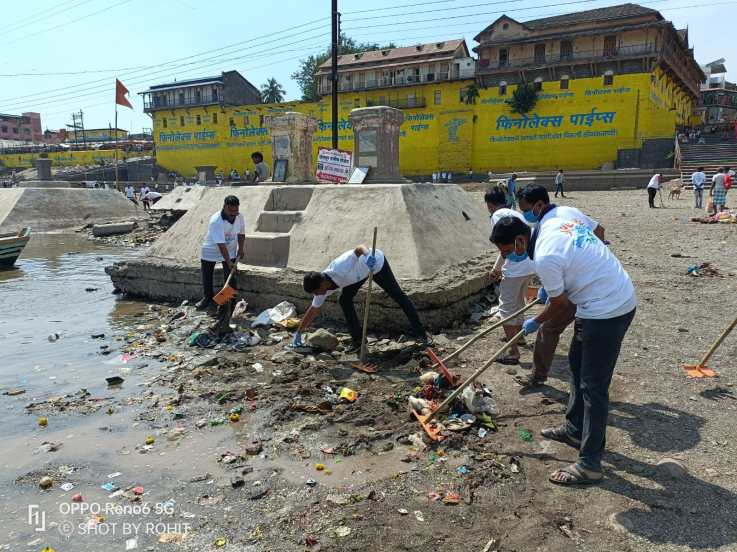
(542, 296)
(297, 340)
(371, 261)
(530, 326)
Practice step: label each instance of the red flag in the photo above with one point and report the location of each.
(120, 93)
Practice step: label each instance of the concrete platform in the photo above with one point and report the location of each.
(435, 237)
(45, 209)
(180, 199)
(113, 229)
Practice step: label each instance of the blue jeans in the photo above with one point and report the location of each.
(593, 354)
(559, 189)
(698, 196)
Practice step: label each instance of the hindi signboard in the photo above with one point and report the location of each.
(333, 165)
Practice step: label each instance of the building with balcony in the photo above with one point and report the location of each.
(602, 43)
(400, 68)
(718, 100)
(229, 88)
(24, 128)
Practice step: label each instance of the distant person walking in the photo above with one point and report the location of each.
(130, 193)
(718, 190)
(697, 180)
(652, 189)
(512, 191)
(559, 181)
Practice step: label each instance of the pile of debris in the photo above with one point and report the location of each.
(703, 269)
(729, 217)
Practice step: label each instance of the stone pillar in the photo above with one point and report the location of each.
(205, 174)
(43, 168)
(376, 142)
(291, 140)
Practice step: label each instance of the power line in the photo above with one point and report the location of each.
(26, 36)
(40, 16)
(229, 46)
(66, 73)
(400, 7)
(469, 6)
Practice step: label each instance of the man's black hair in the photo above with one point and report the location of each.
(312, 281)
(701, 169)
(533, 193)
(257, 155)
(495, 196)
(507, 229)
(232, 201)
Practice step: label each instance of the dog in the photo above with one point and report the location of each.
(675, 191)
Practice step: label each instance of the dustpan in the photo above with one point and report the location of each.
(227, 293)
(701, 370)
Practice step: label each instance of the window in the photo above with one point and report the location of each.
(214, 94)
(438, 98)
(505, 26)
(26, 131)
(181, 120)
(181, 98)
(609, 78)
(566, 50)
(357, 102)
(538, 84)
(198, 96)
(503, 88)
(610, 46)
(4, 129)
(199, 120)
(539, 53)
(164, 122)
(15, 130)
(503, 57)
(214, 118)
(564, 82)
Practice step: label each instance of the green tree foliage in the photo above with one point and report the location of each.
(523, 98)
(306, 76)
(272, 92)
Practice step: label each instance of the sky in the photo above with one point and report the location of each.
(62, 56)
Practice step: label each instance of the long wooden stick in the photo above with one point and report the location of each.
(362, 356)
(475, 375)
(485, 331)
(718, 342)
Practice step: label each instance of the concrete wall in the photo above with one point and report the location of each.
(45, 209)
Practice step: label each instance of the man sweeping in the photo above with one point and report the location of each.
(575, 267)
(347, 273)
(224, 243)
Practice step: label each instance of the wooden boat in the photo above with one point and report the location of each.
(11, 246)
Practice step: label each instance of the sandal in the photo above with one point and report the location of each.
(561, 435)
(508, 360)
(575, 475)
(530, 380)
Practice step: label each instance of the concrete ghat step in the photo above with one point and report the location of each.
(267, 249)
(277, 221)
(289, 198)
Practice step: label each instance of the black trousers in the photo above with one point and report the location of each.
(208, 271)
(651, 192)
(592, 357)
(385, 280)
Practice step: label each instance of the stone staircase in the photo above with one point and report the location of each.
(269, 244)
(710, 156)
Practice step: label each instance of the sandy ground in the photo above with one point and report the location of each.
(373, 493)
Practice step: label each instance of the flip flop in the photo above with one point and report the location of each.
(574, 475)
(508, 361)
(560, 435)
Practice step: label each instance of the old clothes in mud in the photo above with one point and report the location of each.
(348, 273)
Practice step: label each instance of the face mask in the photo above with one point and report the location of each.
(515, 257)
(530, 216)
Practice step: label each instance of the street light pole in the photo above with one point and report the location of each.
(334, 16)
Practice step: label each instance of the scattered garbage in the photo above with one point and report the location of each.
(419, 516)
(43, 421)
(150, 440)
(403, 511)
(67, 487)
(220, 542)
(234, 417)
(258, 367)
(45, 482)
(347, 394)
(109, 487)
(452, 498)
(320, 467)
(311, 483)
(14, 392)
(114, 380)
(703, 269)
(342, 531)
(279, 313)
(524, 434)
(138, 490)
(54, 337)
(77, 497)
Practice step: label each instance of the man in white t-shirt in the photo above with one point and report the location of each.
(652, 189)
(697, 180)
(347, 273)
(149, 198)
(574, 266)
(144, 191)
(224, 242)
(513, 278)
(130, 193)
(535, 204)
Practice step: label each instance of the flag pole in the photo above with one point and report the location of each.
(115, 130)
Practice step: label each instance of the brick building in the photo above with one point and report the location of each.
(25, 127)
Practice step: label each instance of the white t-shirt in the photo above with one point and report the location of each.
(654, 182)
(220, 230)
(717, 181)
(129, 191)
(572, 214)
(145, 190)
(697, 179)
(347, 270)
(570, 259)
(152, 195)
(510, 269)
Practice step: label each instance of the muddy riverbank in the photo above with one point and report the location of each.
(296, 470)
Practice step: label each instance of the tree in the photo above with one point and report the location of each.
(272, 92)
(306, 76)
(523, 98)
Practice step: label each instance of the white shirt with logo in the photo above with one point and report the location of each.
(570, 259)
(346, 270)
(573, 214)
(511, 269)
(219, 230)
